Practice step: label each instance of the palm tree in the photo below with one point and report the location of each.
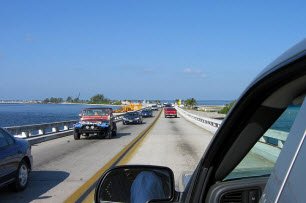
(190, 102)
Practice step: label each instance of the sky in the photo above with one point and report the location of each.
(158, 49)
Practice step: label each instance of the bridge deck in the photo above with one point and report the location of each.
(176, 143)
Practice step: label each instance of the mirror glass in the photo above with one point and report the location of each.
(135, 184)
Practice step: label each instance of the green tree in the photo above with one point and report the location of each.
(118, 102)
(227, 107)
(53, 100)
(99, 99)
(190, 102)
(69, 99)
(46, 101)
(76, 100)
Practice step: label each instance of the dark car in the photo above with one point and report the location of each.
(15, 161)
(132, 117)
(147, 113)
(96, 121)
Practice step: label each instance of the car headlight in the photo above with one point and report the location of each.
(136, 118)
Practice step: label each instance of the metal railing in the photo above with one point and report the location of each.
(210, 121)
(209, 124)
(26, 131)
(275, 138)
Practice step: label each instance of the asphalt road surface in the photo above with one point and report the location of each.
(62, 165)
(175, 143)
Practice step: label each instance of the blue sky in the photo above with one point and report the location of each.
(141, 49)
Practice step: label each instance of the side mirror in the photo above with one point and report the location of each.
(80, 115)
(133, 183)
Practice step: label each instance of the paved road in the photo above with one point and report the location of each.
(63, 165)
(176, 143)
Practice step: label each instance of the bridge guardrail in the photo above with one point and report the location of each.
(209, 124)
(27, 131)
(35, 130)
(268, 146)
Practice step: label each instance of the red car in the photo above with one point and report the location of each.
(170, 112)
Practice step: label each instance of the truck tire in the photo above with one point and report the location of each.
(76, 135)
(114, 131)
(22, 176)
(123, 123)
(108, 134)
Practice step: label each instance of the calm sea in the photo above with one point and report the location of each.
(285, 121)
(24, 114)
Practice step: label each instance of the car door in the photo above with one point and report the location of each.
(287, 180)
(3, 156)
(9, 156)
(217, 177)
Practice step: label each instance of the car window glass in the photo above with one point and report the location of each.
(262, 157)
(3, 141)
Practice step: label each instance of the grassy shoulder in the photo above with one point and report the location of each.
(227, 107)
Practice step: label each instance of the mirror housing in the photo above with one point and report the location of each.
(136, 183)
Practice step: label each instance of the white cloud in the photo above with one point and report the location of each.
(194, 72)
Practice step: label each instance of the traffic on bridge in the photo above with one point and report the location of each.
(160, 101)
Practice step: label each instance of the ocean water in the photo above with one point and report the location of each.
(26, 114)
(285, 121)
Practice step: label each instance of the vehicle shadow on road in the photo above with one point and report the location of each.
(143, 123)
(97, 137)
(121, 135)
(39, 183)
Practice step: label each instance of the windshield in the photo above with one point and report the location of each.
(262, 157)
(86, 86)
(96, 112)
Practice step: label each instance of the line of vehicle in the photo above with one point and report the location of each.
(86, 191)
(127, 157)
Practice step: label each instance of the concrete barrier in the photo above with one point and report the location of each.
(268, 147)
(209, 124)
